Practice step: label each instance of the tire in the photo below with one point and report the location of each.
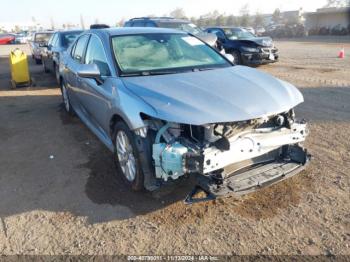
(57, 73)
(46, 70)
(131, 171)
(38, 61)
(65, 98)
(237, 57)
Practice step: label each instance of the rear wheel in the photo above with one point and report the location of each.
(66, 101)
(46, 70)
(57, 73)
(126, 157)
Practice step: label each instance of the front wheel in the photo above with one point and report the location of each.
(126, 157)
(57, 73)
(237, 56)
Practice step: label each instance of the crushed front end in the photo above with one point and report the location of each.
(237, 157)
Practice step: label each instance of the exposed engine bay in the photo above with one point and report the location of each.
(220, 151)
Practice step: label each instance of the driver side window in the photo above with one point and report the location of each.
(95, 55)
(78, 50)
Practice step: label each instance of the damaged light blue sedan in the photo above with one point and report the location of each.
(169, 106)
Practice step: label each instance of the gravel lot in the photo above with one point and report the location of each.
(72, 204)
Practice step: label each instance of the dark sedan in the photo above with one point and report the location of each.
(246, 48)
(58, 43)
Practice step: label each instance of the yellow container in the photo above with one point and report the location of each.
(19, 68)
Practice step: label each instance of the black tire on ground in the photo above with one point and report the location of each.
(13, 84)
(46, 70)
(138, 183)
(32, 82)
(237, 57)
(67, 105)
(38, 61)
(57, 73)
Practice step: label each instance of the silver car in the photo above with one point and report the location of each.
(169, 106)
(38, 43)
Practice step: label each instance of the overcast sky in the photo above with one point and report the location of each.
(111, 11)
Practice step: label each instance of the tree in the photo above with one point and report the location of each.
(193, 20)
(178, 13)
(276, 16)
(17, 29)
(120, 23)
(245, 18)
(258, 20)
(337, 3)
(52, 23)
(220, 20)
(231, 20)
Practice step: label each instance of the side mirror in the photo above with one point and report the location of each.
(230, 58)
(90, 71)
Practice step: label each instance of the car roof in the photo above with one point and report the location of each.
(160, 19)
(135, 30)
(225, 27)
(45, 32)
(70, 31)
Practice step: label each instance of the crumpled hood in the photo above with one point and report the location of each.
(261, 41)
(221, 95)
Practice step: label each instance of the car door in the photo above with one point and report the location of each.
(55, 52)
(95, 95)
(71, 67)
(47, 56)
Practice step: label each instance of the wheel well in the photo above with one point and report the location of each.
(115, 118)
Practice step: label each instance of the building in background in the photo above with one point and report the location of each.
(328, 18)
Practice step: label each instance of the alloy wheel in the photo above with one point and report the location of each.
(126, 158)
(65, 98)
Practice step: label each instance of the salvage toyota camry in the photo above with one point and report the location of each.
(169, 106)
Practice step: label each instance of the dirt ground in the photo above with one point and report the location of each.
(72, 203)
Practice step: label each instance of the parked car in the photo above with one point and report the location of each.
(173, 23)
(38, 43)
(249, 29)
(260, 30)
(6, 39)
(22, 38)
(169, 106)
(57, 44)
(246, 48)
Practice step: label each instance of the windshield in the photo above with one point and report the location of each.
(42, 37)
(68, 38)
(238, 33)
(187, 27)
(147, 53)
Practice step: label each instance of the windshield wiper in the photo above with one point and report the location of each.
(154, 73)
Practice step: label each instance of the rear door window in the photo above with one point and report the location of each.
(138, 24)
(150, 24)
